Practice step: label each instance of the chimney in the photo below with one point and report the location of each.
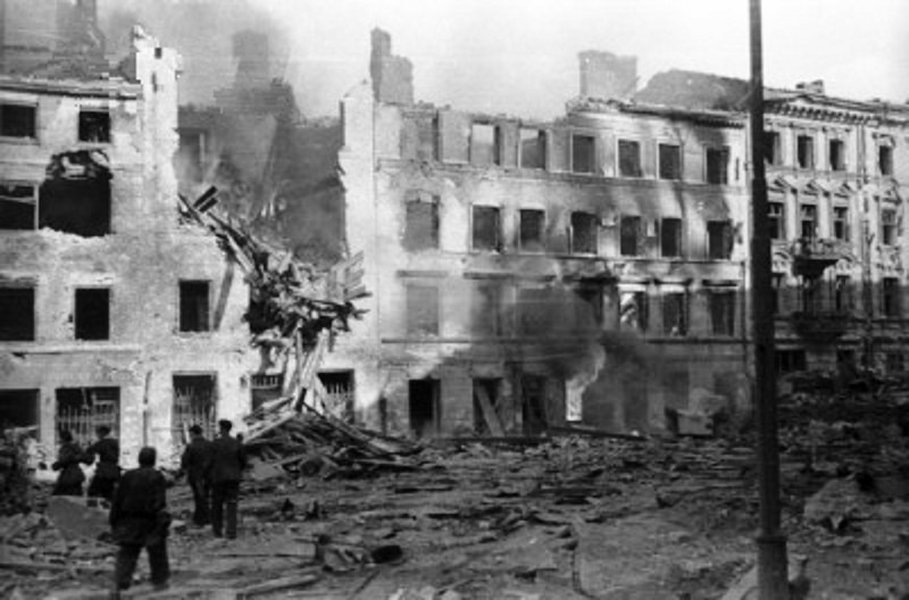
(811, 87)
(392, 76)
(606, 75)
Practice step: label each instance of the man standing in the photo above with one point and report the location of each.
(138, 517)
(107, 471)
(69, 482)
(195, 462)
(227, 464)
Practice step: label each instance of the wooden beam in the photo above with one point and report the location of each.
(489, 413)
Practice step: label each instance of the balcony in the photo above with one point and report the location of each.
(821, 326)
(811, 256)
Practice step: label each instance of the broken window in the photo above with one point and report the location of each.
(841, 223)
(722, 312)
(837, 155)
(422, 309)
(885, 160)
(671, 238)
(339, 394)
(487, 310)
(775, 221)
(81, 410)
(264, 388)
(808, 221)
(92, 318)
(94, 126)
(675, 314)
(533, 148)
(718, 165)
(631, 236)
(18, 206)
(18, 408)
(583, 154)
(888, 227)
(533, 310)
(805, 151)
(486, 409)
(532, 228)
(634, 311)
(194, 404)
(17, 314)
(719, 240)
(842, 293)
(584, 228)
(75, 196)
(17, 120)
(772, 148)
(891, 301)
(670, 161)
(589, 311)
(629, 158)
(487, 229)
(424, 406)
(790, 361)
(485, 145)
(194, 306)
(421, 229)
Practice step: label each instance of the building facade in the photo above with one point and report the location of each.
(112, 310)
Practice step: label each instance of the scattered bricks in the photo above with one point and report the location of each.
(76, 519)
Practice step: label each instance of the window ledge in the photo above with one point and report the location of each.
(71, 347)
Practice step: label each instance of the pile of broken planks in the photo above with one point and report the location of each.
(282, 441)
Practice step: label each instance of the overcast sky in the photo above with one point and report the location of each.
(520, 56)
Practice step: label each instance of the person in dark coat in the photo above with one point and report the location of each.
(69, 482)
(227, 463)
(195, 462)
(139, 518)
(107, 471)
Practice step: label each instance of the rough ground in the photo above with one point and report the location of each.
(564, 518)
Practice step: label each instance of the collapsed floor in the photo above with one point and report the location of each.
(330, 513)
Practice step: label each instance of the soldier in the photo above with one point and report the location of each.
(138, 517)
(227, 464)
(107, 471)
(69, 482)
(195, 462)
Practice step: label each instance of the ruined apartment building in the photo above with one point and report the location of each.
(112, 311)
(528, 274)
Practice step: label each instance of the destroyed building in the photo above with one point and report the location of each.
(112, 310)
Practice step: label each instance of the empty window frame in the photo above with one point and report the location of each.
(422, 305)
(719, 240)
(191, 154)
(776, 221)
(18, 120)
(890, 300)
(634, 310)
(804, 151)
(841, 223)
(810, 290)
(94, 126)
(81, 410)
(583, 153)
(532, 148)
(808, 221)
(534, 310)
(194, 306)
(675, 314)
(17, 314)
(842, 293)
(195, 403)
(532, 227)
(19, 408)
(487, 229)
(671, 238)
(18, 206)
(773, 148)
(78, 198)
(670, 157)
(421, 227)
(584, 229)
(718, 165)
(589, 309)
(485, 145)
(836, 155)
(888, 226)
(487, 309)
(631, 236)
(92, 314)
(722, 312)
(885, 160)
(630, 158)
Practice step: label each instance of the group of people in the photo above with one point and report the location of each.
(138, 503)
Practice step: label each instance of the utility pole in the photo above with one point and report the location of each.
(773, 581)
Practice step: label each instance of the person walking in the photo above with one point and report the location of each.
(69, 482)
(195, 462)
(139, 518)
(107, 471)
(227, 463)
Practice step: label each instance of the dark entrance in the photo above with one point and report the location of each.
(425, 412)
